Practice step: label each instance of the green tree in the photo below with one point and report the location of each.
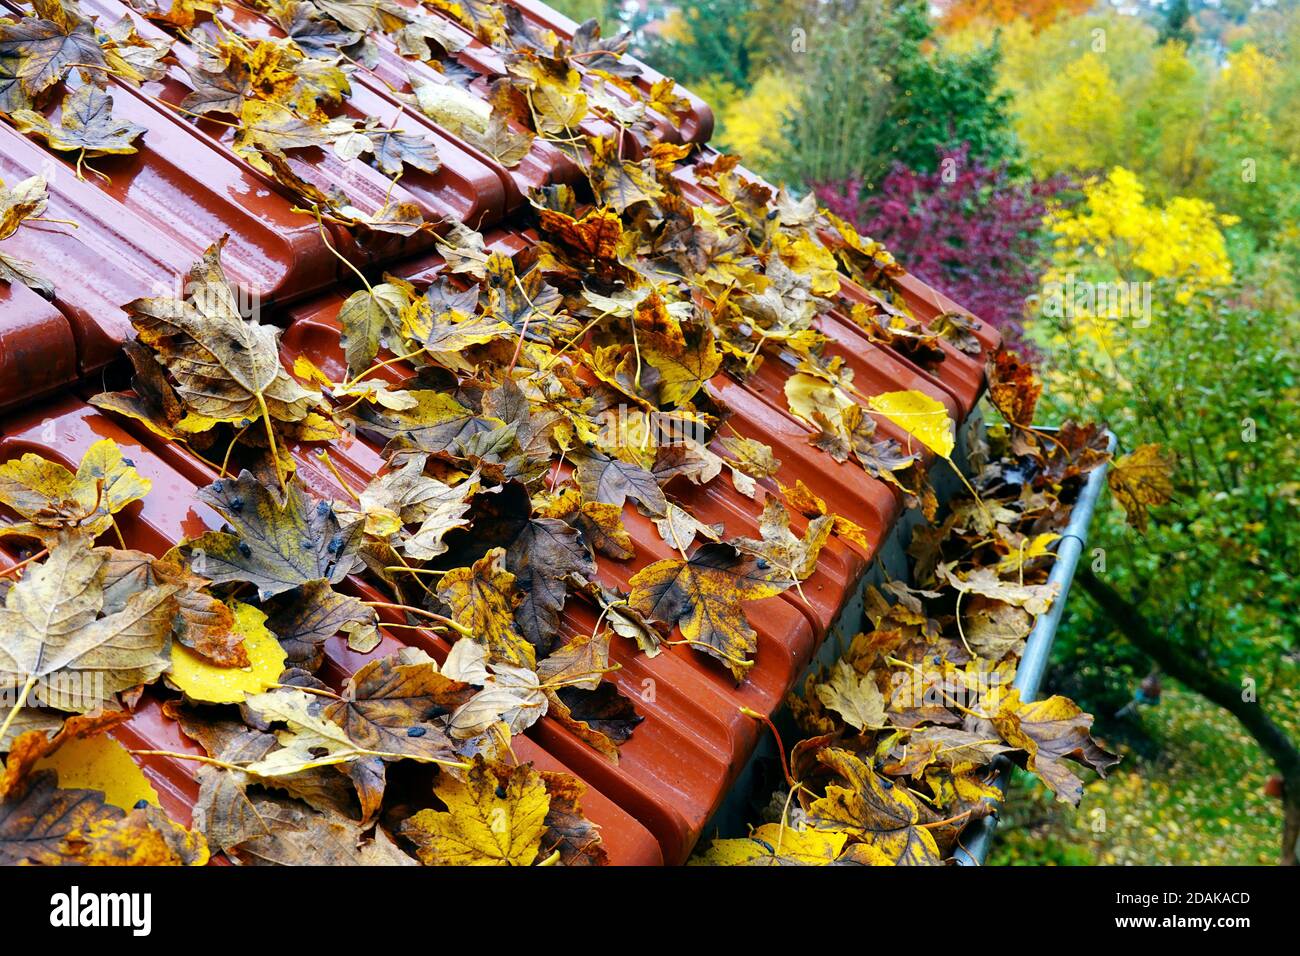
(604, 11)
(878, 90)
(1209, 591)
(705, 41)
(949, 99)
(1178, 26)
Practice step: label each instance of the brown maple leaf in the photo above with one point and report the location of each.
(1013, 388)
(1051, 731)
(45, 51)
(1142, 480)
(702, 595)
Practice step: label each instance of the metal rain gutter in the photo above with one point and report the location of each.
(977, 838)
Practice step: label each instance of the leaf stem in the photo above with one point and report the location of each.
(324, 456)
(974, 494)
(310, 690)
(710, 649)
(338, 255)
(225, 461)
(780, 745)
(198, 758)
(941, 823)
(18, 705)
(421, 612)
(63, 222)
(23, 563)
(523, 330)
(270, 437)
(384, 364)
(961, 631)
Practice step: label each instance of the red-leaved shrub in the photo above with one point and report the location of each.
(971, 230)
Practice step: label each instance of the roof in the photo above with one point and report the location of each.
(185, 186)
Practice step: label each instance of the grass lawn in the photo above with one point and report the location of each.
(1200, 800)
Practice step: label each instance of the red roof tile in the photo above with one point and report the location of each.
(185, 186)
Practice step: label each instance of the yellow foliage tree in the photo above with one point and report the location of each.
(751, 122)
(1169, 125)
(1115, 228)
(1115, 240)
(1074, 120)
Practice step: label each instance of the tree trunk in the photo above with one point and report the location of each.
(1291, 822)
(1193, 674)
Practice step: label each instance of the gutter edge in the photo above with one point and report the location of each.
(977, 838)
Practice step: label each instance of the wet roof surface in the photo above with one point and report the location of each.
(185, 187)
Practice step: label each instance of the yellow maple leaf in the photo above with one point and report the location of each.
(496, 816)
(482, 598)
(702, 596)
(776, 845)
(51, 497)
(924, 418)
(1039, 546)
(204, 681)
(810, 397)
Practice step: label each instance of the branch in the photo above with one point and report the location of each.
(1185, 668)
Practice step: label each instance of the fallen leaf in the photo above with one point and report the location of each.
(227, 368)
(1027, 551)
(1013, 388)
(386, 704)
(53, 644)
(703, 596)
(275, 546)
(775, 845)
(297, 835)
(921, 416)
(46, 51)
(311, 616)
(494, 817)
(203, 681)
(613, 481)
(1051, 731)
(683, 370)
(780, 547)
(994, 628)
(604, 709)
(853, 696)
(86, 126)
(542, 556)
(580, 662)
(24, 202)
(602, 525)
(370, 319)
(873, 810)
(568, 831)
(1142, 480)
(144, 837)
(483, 599)
(1034, 598)
(100, 763)
(678, 528)
(52, 498)
(33, 743)
(52, 826)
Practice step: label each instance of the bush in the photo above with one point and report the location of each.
(968, 228)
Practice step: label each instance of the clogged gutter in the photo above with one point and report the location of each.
(916, 724)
